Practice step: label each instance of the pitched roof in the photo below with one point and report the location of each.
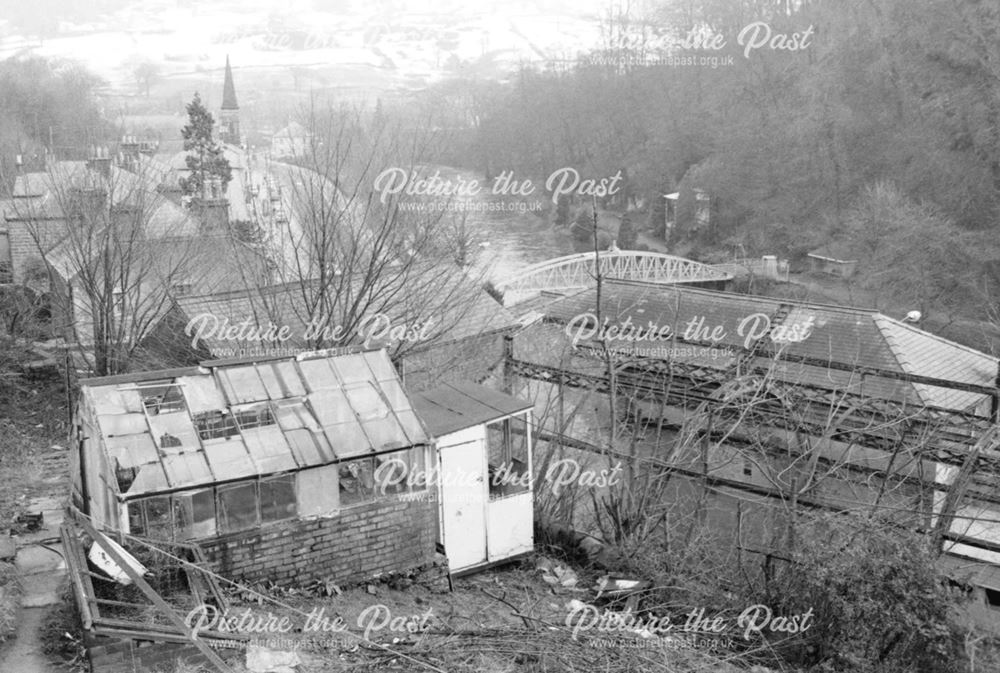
(43, 194)
(851, 337)
(229, 90)
(451, 304)
(180, 429)
(454, 407)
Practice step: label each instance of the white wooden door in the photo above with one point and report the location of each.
(463, 504)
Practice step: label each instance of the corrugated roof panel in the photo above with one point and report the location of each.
(113, 425)
(131, 450)
(269, 449)
(201, 394)
(229, 459)
(242, 385)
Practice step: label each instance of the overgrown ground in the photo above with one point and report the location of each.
(32, 464)
(507, 619)
(33, 431)
(9, 601)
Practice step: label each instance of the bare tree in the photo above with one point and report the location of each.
(146, 74)
(363, 258)
(117, 253)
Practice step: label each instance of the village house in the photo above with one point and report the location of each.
(447, 329)
(290, 142)
(890, 413)
(318, 467)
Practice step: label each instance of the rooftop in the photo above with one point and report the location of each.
(178, 429)
(852, 337)
(450, 304)
(454, 407)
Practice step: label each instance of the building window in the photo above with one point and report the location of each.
(395, 472)
(277, 498)
(158, 520)
(182, 289)
(507, 446)
(992, 598)
(215, 425)
(318, 491)
(357, 481)
(194, 514)
(237, 507)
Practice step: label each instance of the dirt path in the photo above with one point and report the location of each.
(25, 654)
(41, 570)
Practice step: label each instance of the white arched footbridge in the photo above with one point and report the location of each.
(564, 275)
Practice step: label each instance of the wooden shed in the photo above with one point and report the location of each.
(483, 444)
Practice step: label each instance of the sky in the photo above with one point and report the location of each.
(415, 41)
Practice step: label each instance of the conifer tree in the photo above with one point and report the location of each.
(205, 159)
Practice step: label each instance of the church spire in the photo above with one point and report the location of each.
(229, 90)
(229, 119)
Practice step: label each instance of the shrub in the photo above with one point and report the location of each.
(10, 597)
(877, 598)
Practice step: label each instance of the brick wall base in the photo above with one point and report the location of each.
(360, 543)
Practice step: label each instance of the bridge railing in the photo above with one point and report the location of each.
(578, 272)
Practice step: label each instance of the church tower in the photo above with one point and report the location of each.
(229, 119)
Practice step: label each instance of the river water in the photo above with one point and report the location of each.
(509, 232)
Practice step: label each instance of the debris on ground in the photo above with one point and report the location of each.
(264, 660)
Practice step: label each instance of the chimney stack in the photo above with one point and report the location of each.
(100, 160)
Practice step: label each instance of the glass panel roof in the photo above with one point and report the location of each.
(201, 394)
(242, 385)
(229, 458)
(324, 409)
(131, 450)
